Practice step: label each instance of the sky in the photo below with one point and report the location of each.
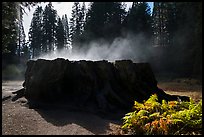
(61, 8)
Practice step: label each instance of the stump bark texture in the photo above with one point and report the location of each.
(98, 86)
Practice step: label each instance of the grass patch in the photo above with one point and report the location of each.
(13, 72)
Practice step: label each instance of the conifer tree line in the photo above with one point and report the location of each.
(102, 20)
(172, 32)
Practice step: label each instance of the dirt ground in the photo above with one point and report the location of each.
(18, 119)
(184, 87)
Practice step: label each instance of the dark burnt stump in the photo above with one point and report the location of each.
(96, 86)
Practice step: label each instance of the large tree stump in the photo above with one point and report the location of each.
(91, 85)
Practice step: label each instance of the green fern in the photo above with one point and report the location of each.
(172, 117)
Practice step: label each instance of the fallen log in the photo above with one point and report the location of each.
(4, 98)
(19, 93)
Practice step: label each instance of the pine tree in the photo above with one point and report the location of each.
(188, 39)
(26, 51)
(21, 39)
(60, 35)
(49, 27)
(82, 17)
(95, 20)
(9, 30)
(82, 20)
(66, 30)
(138, 19)
(114, 16)
(10, 18)
(104, 20)
(171, 24)
(35, 32)
(160, 19)
(177, 27)
(21, 34)
(75, 25)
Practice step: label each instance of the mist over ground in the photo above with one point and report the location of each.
(134, 47)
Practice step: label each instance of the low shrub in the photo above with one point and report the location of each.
(166, 118)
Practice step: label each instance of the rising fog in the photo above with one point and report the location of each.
(134, 47)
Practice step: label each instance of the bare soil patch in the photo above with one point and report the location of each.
(18, 119)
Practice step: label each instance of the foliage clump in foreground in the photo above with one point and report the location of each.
(167, 118)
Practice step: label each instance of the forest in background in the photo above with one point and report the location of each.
(171, 36)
